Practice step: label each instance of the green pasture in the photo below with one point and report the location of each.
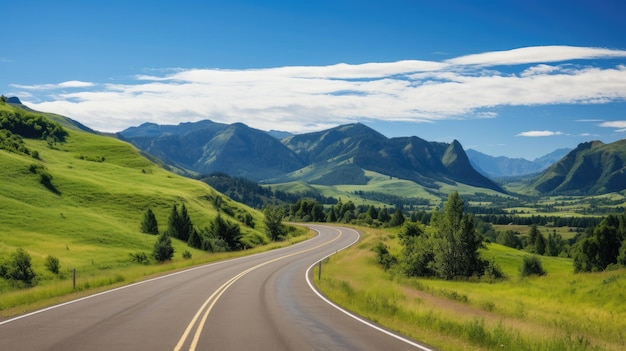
(558, 311)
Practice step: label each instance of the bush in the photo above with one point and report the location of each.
(19, 269)
(186, 254)
(139, 257)
(163, 249)
(53, 265)
(532, 266)
(384, 257)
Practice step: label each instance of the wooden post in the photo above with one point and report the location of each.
(319, 270)
(74, 278)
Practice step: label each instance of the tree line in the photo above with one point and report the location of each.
(219, 236)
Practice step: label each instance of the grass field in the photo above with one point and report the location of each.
(90, 218)
(559, 311)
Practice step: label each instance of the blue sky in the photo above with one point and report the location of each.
(512, 78)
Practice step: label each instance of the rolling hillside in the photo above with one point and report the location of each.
(82, 199)
(590, 169)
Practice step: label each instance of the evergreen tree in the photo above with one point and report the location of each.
(186, 226)
(174, 222)
(540, 244)
(397, 219)
(163, 249)
(195, 240)
(149, 224)
(456, 243)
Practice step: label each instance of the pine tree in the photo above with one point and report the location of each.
(163, 249)
(149, 224)
(186, 226)
(174, 222)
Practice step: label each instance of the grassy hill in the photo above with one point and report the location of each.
(562, 310)
(89, 213)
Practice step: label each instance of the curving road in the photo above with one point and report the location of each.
(258, 302)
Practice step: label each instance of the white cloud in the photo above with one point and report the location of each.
(303, 98)
(68, 84)
(614, 124)
(539, 133)
(536, 54)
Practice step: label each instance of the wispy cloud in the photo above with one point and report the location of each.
(63, 85)
(305, 98)
(619, 125)
(539, 133)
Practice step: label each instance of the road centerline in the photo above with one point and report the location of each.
(212, 300)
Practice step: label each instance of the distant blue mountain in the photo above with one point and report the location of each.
(502, 166)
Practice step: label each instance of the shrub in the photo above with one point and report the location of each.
(186, 254)
(19, 269)
(53, 265)
(532, 266)
(139, 257)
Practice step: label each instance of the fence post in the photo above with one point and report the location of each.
(319, 270)
(74, 278)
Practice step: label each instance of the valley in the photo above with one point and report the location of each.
(80, 199)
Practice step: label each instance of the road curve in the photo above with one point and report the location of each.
(258, 302)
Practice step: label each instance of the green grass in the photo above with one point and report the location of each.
(91, 222)
(559, 311)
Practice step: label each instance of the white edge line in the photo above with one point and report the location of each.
(369, 324)
(134, 284)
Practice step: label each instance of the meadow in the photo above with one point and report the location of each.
(558, 311)
(89, 216)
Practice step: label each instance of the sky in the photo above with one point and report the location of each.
(506, 78)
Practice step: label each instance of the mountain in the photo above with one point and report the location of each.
(338, 155)
(502, 166)
(207, 147)
(592, 168)
(352, 148)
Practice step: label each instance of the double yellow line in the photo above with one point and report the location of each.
(212, 300)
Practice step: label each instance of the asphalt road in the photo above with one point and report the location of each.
(259, 302)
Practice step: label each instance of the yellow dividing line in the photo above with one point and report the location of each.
(212, 300)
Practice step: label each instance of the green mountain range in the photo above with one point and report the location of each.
(340, 155)
(590, 169)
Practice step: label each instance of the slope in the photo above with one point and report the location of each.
(592, 168)
(89, 214)
(352, 149)
(206, 147)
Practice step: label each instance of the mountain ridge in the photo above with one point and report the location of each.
(339, 155)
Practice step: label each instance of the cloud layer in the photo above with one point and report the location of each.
(306, 98)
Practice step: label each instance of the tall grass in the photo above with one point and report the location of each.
(559, 311)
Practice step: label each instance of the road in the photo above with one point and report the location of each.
(258, 302)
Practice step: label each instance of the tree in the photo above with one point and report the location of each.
(554, 245)
(185, 225)
(174, 222)
(149, 224)
(397, 219)
(228, 232)
(19, 268)
(195, 240)
(508, 238)
(273, 223)
(163, 249)
(456, 243)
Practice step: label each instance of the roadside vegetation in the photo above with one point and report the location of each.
(455, 293)
(74, 201)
